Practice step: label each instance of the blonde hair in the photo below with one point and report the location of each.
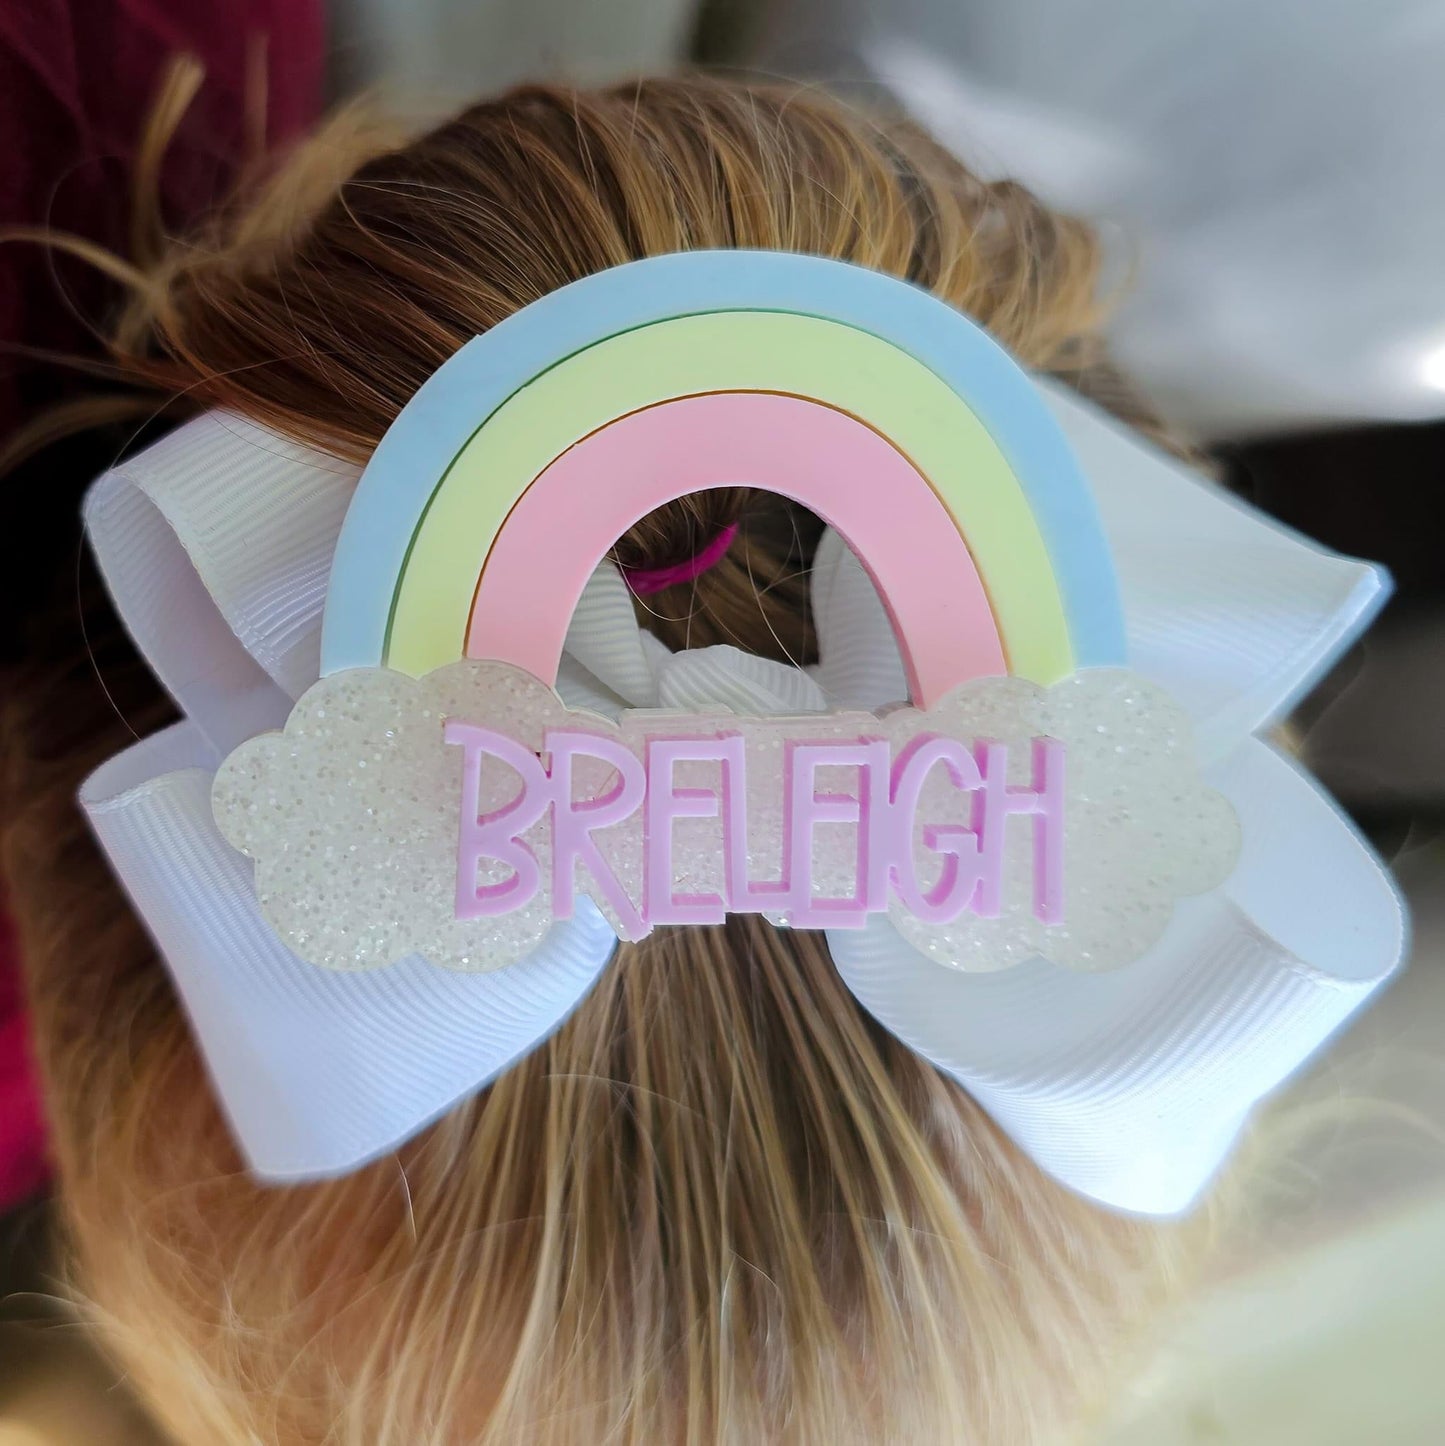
(720, 1204)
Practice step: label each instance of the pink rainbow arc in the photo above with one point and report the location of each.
(820, 457)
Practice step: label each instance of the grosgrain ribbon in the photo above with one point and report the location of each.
(1129, 1086)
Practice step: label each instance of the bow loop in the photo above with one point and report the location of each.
(725, 677)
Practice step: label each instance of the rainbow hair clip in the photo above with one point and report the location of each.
(432, 770)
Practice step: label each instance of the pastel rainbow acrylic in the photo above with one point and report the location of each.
(538, 444)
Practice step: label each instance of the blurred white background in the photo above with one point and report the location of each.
(1269, 169)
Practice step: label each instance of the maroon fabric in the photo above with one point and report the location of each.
(77, 82)
(78, 79)
(23, 1164)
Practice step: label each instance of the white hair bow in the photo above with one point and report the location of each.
(1128, 1086)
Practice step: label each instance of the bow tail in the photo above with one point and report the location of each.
(318, 1071)
(1131, 1086)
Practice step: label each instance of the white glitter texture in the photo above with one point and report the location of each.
(351, 815)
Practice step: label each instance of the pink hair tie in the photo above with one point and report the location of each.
(646, 580)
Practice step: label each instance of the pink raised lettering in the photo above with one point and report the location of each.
(885, 806)
(574, 821)
(498, 834)
(959, 846)
(743, 894)
(807, 808)
(666, 803)
(1044, 801)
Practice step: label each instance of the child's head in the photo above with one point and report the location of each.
(721, 1204)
